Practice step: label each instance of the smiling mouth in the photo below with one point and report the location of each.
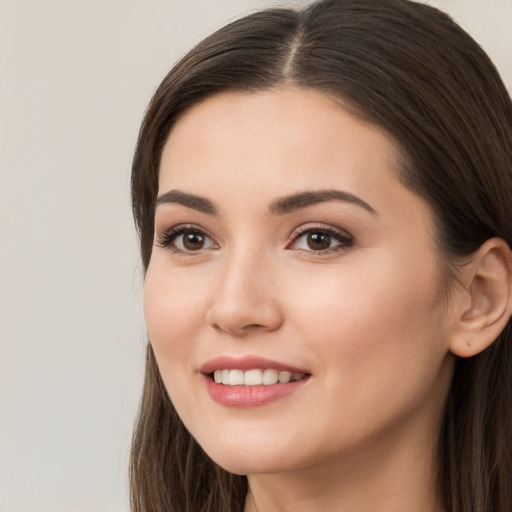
(255, 377)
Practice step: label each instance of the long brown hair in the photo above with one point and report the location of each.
(411, 70)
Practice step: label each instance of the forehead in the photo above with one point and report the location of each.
(290, 135)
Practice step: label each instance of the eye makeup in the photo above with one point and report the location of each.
(185, 238)
(316, 239)
(320, 239)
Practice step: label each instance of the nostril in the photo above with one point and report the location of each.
(240, 330)
(244, 316)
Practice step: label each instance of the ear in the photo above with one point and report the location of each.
(487, 304)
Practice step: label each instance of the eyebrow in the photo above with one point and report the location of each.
(189, 200)
(296, 202)
(281, 206)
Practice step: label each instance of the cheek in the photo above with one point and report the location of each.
(378, 347)
(172, 309)
(382, 310)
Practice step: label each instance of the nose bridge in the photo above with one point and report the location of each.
(246, 298)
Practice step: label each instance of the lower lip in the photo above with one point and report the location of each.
(250, 396)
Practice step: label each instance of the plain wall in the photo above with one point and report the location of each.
(75, 78)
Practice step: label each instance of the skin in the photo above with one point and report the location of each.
(367, 318)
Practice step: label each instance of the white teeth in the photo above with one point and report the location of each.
(255, 377)
(236, 377)
(270, 377)
(285, 377)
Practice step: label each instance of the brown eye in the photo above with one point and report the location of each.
(318, 241)
(193, 240)
(183, 239)
(321, 240)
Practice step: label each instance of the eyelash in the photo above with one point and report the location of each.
(345, 239)
(168, 238)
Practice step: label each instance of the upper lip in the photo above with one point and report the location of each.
(247, 363)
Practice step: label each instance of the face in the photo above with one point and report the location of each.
(291, 262)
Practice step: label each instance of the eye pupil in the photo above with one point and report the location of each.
(319, 241)
(193, 241)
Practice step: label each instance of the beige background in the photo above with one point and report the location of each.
(75, 78)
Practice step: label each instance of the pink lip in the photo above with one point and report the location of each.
(248, 396)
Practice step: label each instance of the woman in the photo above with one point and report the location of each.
(323, 202)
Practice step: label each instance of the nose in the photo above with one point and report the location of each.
(247, 299)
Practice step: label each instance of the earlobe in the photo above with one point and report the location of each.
(488, 283)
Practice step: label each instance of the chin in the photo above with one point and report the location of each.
(251, 465)
(246, 461)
